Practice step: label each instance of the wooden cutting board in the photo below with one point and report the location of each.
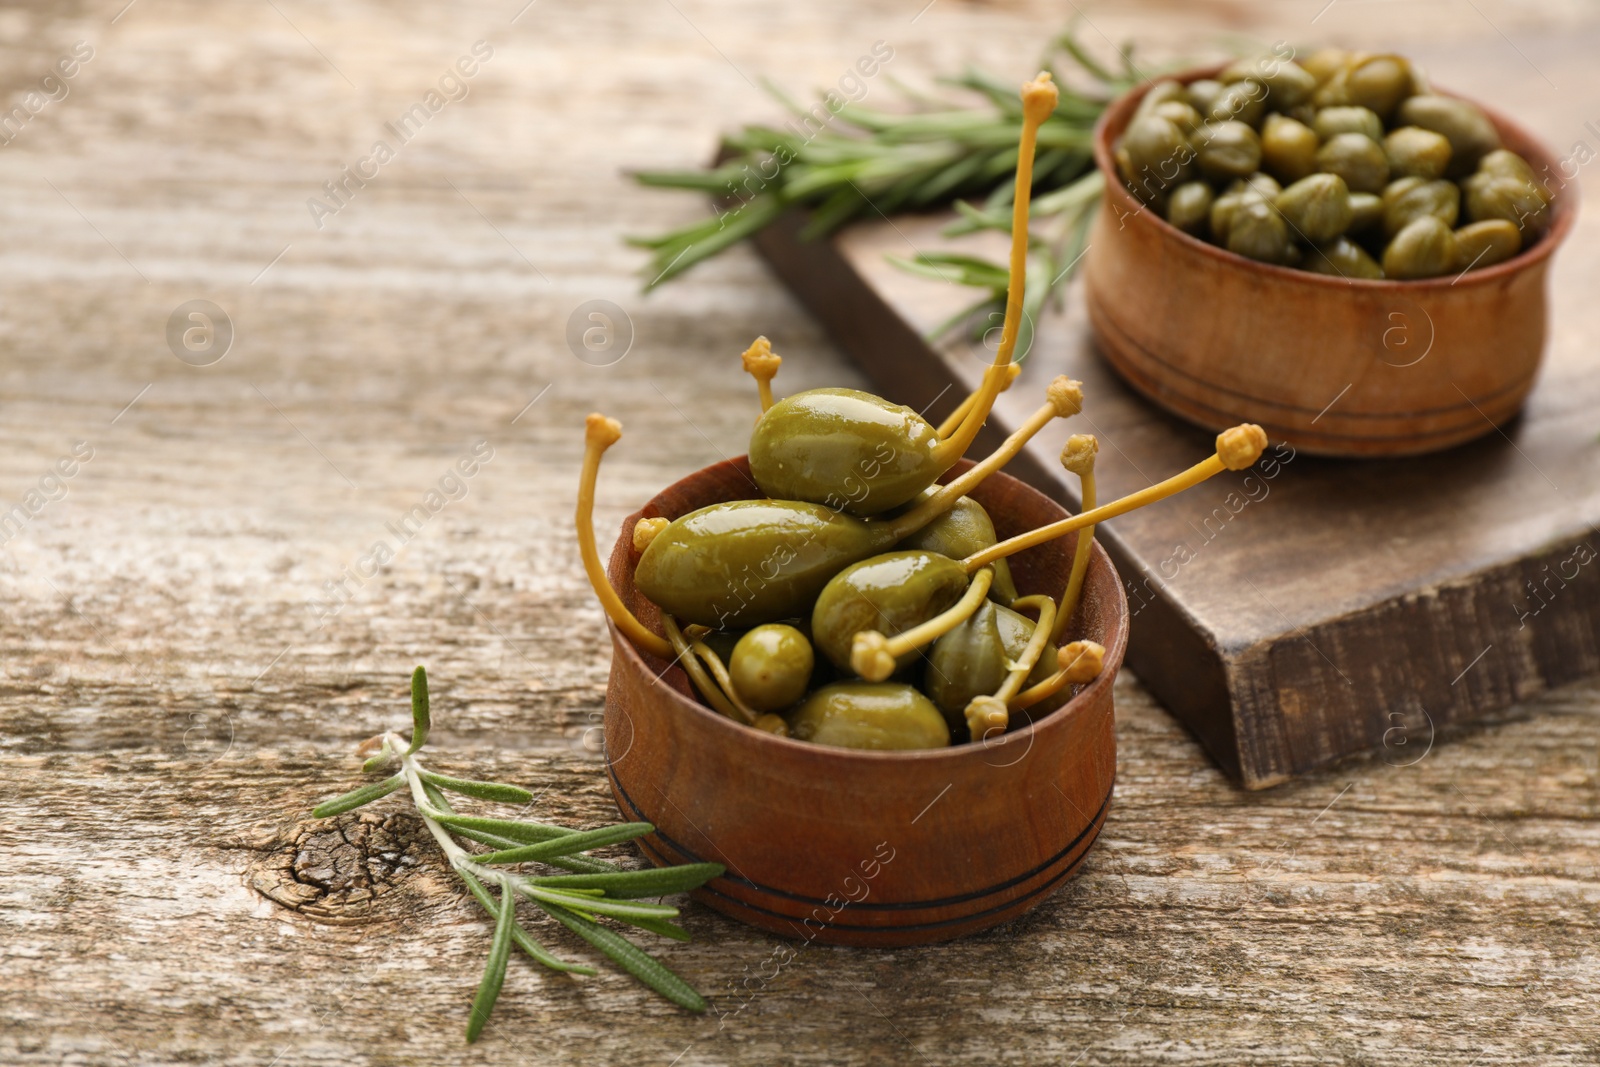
(1309, 608)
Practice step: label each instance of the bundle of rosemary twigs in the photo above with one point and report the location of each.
(592, 889)
(870, 162)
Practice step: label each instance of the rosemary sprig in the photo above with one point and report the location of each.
(870, 162)
(577, 900)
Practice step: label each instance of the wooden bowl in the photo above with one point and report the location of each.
(1335, 367)
(867, 848)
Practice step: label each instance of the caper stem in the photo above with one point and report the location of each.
(762, 364)
(691, 666)
(1039, 99)
(1079, 456)
(945, 496)
(1237, 448)
(988, 715)
(599, 434)
(718, 671)
(954, 419)
(872, 655)
(1081, 661)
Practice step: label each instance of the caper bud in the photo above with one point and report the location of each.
(1342, 258)
(1417, 153)
(1325, 62)
(1334, 91)
(1483, 244)
(1504, 163)
(1243, 101)
(1260, 183)
(1366, 209)
(1257, 231)
(1180, 115)
(1398, 188)
(1203, 94)
(1189, 207)
(1287, 82)
(1512, 199)
(1356, 158)
(1440, 199)
(1155, 156)
(1426, 248)
(1469, 131)
(869, 715)
(1332, 121)
(771, 666)
(1227, 149)
(1161, 92)
(1222, 209)
(1288, 148)
(889, 593)
(1379, 83)
(1317, 207)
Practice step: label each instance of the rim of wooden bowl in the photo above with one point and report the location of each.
(1115, 651)
(1564, 204)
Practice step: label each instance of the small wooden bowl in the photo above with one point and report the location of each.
(1336, 367)
(867, 848)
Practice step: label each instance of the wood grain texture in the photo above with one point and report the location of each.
(170, 707)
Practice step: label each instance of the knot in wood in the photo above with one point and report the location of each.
(336, 871)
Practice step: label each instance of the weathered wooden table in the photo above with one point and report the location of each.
(197, 629)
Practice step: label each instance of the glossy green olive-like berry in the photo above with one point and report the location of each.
(771, 666)
(1426, 248)
(1440, 199)
(963, 530)
(889, 593)
(1189, 207)
(1366, 210)
(1288, 148)
(1356, 158)
(1519, 202)
(1483, 244)
(1317, 208)
(746, 562)
(1154, 155)
(1261, 183)
(879, 716)
(1466, 127)
(1257, 231)
(844, 448)
(1414, 152)
(974, 658)
(1342, 258)
(1227, 150)
(1332, 121)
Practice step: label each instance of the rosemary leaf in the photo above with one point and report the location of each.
(419, 709)
(631, 958)
(617, 909)
(631, 885)
(569, 843)
(526, 832)
(506, 794)
(659, 927)
(357, 797)
(494, 971)
(519, 936)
